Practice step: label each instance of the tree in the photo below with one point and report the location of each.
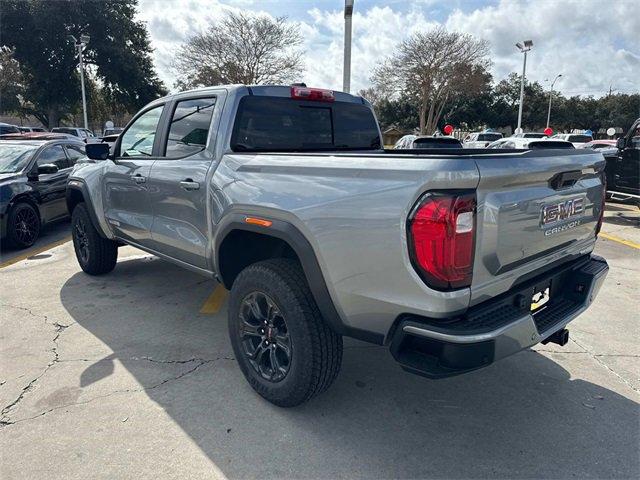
(12, 81)
(117, 57)
(433, 67)
(241, 49)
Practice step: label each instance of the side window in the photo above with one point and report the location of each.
(189, 127)
(54, 155)
(508, 145)
(138, 140)
(75, 153)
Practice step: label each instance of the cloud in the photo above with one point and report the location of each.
(592, 44)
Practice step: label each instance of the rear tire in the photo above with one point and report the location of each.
(96, 255)
(23, 225)
(272, 311)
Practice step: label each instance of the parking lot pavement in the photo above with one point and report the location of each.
(121, 376)
(51, 235)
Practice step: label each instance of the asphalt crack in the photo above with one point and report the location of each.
(200, 362)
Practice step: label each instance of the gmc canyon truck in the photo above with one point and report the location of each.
(454, 258)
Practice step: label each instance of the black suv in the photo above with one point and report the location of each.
(33, 179)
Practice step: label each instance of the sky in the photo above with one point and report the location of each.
(593, 44)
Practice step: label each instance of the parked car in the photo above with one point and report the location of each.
(33, 178)
(529, 143)
(287, 197)
(81, 133)
(623, 166)
(605, 147)
(576, 138)
(480, 139)
(427, 141)
(32, 129)
(6, 128)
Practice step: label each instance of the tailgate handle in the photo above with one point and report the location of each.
(565, 179)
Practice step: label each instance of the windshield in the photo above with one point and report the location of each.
(70, 131)
(14, 158)
(436, 143)
(489, 137)
(579, 138)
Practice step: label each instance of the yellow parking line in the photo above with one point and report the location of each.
(215, 300)
(628, 243)
(37, 251)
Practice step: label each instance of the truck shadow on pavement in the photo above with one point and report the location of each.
(523, 417)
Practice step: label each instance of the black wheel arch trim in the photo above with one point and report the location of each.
(80, 186)
(298, 242)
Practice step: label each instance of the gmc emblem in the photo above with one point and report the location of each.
(557, 212)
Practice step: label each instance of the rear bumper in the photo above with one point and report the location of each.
(499, 327)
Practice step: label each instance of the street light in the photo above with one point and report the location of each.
(80, 46)
(524, 49)
(550, 95)
(346, 72)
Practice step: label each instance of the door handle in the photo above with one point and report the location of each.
(189, 184)
(138, 178)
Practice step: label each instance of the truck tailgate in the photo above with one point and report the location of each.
(534, 209)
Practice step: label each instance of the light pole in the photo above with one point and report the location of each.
(346, 72)
(80, 46)
(551, 95)
(524, 49)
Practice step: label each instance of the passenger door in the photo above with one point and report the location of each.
(178, 181)
(51, 187)
(628, 177)
(127, 206)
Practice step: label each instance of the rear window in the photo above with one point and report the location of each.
(436, 143)
(489, 137)
(579, 138)
(279, 124)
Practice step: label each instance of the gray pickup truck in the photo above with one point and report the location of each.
(454, 258)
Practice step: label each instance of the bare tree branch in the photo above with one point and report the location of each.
(241, 49)
(432, 67)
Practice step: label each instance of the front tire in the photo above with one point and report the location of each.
(283, 346)
(96, 255)
(23, 225)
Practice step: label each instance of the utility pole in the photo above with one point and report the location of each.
(346, 72)
(524, 49)
(551, 95)
(80, 46)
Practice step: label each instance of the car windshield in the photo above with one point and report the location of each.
(14, 158)
(489, 137)
(436, 143)
(579, 138)
(70, 131)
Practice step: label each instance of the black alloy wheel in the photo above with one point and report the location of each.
(24, 225)
(265, 337)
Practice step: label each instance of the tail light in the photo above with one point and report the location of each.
(441, 239)
(314, 94)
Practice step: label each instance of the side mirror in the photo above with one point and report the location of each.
(97, 151)
(620, 143)
(47, 168)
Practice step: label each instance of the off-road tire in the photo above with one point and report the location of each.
(17, 234)
(316, 350)
(96, 255)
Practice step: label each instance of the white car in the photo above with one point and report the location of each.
(576, 138)
(530, 143)
(530, 135)
(480, 139)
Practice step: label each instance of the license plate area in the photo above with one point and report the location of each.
(540, 296)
